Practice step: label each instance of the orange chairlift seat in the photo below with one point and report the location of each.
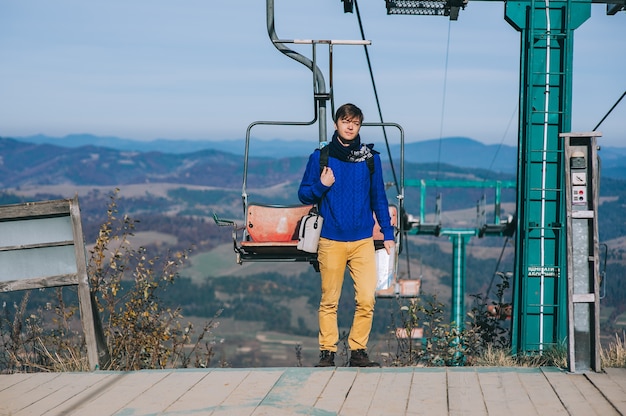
(271, 234)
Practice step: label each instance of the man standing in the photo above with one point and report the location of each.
(347, 194)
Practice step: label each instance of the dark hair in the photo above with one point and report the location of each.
(348, 111)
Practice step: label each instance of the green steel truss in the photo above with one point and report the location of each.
(540, 291)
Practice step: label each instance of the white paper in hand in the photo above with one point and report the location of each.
(385, 265)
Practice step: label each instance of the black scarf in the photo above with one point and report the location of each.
(354, 152)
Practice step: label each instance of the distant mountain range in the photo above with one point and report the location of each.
(178, 185)
(454, 151)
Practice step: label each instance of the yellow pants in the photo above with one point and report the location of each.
(333, 257)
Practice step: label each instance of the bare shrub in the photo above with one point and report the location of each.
(484, 340)
(442, 343)
(140, 331)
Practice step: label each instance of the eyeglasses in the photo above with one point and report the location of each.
(346, 122)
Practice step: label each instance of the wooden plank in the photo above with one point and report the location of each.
(249, 393)
(429, 392)
(493, 392)
(164, 393)
(392, 394)
(8, 380)
(27, 392)
(76, 393)
(97, 351)
(465, 396)
(572, 398)
(38, 245)
(618, 376)
(516, 395)
(543, 397)
(610, 389)
(295, 392)
(593, 396)
(62, 391)
(359, 398)
(38, 282)
(204, 396)
(332, 397)
(119, 389)
(35, 209)
(503, 393)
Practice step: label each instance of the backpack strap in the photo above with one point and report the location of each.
(324, 151)
(370, 165)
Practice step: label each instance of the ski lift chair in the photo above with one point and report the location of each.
(271, 233)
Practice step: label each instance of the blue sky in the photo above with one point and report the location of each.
(205, 69)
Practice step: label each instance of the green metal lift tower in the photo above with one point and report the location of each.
(540, 288)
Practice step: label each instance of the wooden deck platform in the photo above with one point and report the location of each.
(315, 391)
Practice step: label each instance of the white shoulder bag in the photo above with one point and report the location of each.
(309, 232)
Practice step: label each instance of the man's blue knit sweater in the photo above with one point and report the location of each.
(348, 204)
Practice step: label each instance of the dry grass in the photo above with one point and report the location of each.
(615, 354)
(497, 357)
(71, 359)
(612, 356)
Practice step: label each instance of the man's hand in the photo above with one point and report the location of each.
(327, 177)
(389, 245)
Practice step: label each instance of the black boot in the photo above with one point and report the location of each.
(359, 358)
(327, 359)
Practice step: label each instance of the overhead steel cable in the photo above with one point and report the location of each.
(403, 236)
(609, 112)
(443, 102)
(506, 131)
(380, 114)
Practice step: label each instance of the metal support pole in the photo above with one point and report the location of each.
(459, 240)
